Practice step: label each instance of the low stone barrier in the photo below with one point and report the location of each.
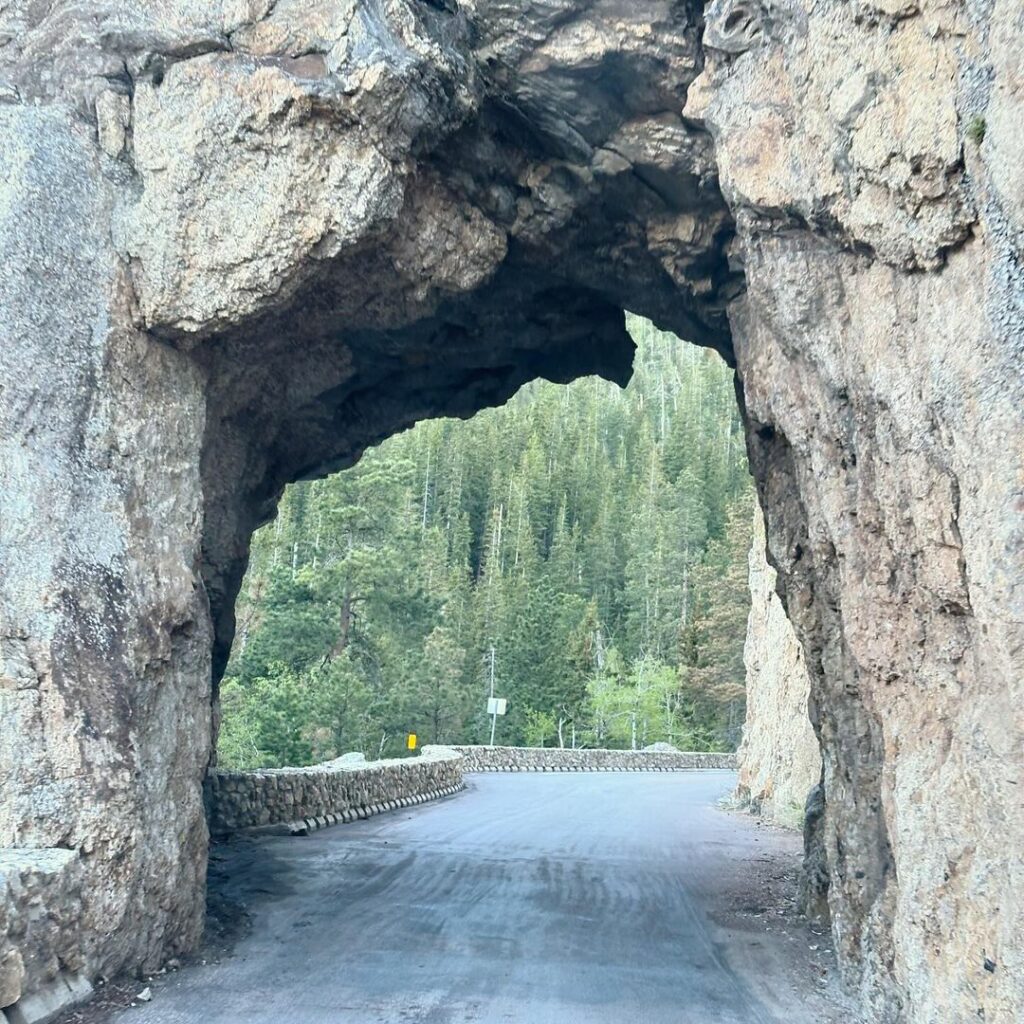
(558, 759)
(40, 958)
(350, 788)
(300, 800)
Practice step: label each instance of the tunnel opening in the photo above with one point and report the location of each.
(580, 552)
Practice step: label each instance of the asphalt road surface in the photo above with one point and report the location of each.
(527, 899)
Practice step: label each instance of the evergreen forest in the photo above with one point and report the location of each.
(581, 552)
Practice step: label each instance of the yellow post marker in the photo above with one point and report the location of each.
(410, 741)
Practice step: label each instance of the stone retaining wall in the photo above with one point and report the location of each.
(557, 759)
(40, 955)
(303, 799)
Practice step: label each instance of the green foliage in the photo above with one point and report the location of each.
(259, 720)
(586, 544)
(538, 727)
(976, 130)
(712, 661)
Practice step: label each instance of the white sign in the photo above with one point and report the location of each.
(496, 705)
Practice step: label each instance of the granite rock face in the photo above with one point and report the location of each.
(879, 344)
(104, 624)
(244, 240)
(779, 761)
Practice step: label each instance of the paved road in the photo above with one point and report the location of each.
(527, 899)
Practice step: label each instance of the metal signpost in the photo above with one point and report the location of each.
(495, 705)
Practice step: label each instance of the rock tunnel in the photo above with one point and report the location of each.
(246, 240)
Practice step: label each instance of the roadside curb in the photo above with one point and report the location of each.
(305, 826)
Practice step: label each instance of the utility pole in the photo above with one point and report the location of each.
(494, 710)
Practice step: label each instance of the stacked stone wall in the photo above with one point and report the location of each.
(303, 799)
(558, 759)
(40, 956)
(350, 788)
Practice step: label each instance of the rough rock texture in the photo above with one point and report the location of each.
(557, 759)
(779, 760)
(879, 345)
(104, 625)
(245, 239)
(336, 791)
(40, 956)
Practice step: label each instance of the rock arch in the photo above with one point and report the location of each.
(247, 239)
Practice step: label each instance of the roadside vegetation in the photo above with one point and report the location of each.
(583, 547)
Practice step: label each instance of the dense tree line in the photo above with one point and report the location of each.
(582, 549)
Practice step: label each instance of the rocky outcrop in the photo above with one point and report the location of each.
(245, 239)
(879, 346)
(340, 791)
(778, 759)
(560, 759)
(104, 623)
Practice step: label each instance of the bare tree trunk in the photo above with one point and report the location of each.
(426, 492)
(345, 617)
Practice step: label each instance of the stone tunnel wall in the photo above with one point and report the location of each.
(880, 344)
(559, 759)
(325, 794)
(244, 241)
(779, 759)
